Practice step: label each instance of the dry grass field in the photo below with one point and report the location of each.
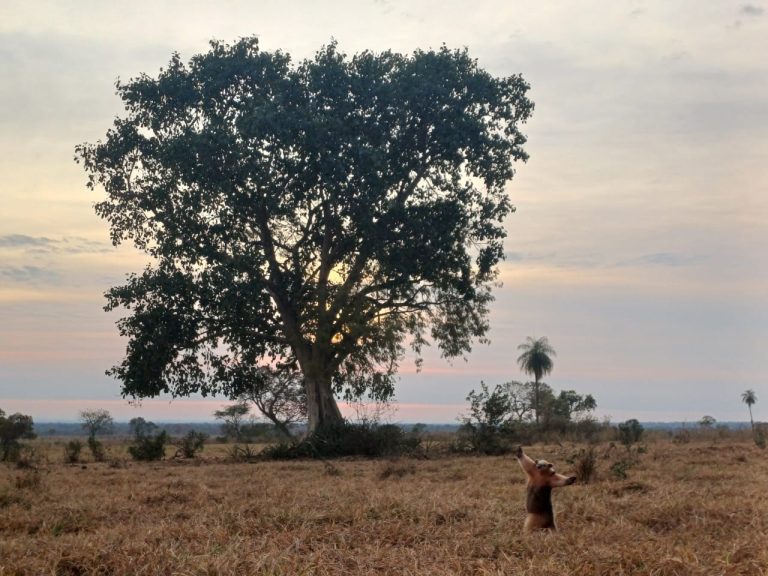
(697, 508)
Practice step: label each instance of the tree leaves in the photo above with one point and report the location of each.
(317, 213)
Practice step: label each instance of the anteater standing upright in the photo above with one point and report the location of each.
(541, 479)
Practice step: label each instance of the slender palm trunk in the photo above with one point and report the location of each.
(536, 399)
(752, 422)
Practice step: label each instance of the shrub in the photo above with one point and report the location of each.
(72, 451)
(97, 449)
(483, 439)
(12, 429)
(149, 447)
(619, 469)
(242, 453)
(585, 465)
(347, 439)
(191, 444)
(682, 436)
(630, 432)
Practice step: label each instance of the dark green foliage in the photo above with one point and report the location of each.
(314, 215)
(140, 427)
(97, 449)
(149, 443)
(619, 469)
(487, 429)
(500, 418)
(72, 450)
(192, 443)
(12, 429)
(630, 432)
(347, 439)
(149, 447)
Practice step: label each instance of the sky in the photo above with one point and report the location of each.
(637, 247)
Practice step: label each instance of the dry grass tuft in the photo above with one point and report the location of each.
(397, 469)
(683, 509)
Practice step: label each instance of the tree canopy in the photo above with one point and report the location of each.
(314, 216)
(12, 428)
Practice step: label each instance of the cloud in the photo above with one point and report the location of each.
(659, 259)
(23, 241)
(751, 10)
(28, 274)
(45, 245)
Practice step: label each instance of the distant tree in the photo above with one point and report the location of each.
(12, 429)
(97, 421)
(489, 408)
(280, 395)
(233, 419)
(749, 398)
(707, 422)
(536, 360)
(320, 214)
(570, 406)
(630, 432)
(520, 400)
(140, 427)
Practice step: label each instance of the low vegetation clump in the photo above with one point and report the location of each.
(149, 446)
(14, 428)
(350, 439)
(72, 451)
(190, 445)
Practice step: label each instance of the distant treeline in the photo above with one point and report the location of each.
(122, 428)
(214, 428)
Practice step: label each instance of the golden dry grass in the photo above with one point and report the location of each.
(699, 508)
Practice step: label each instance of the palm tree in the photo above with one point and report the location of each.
(749, 397)
(536, 360)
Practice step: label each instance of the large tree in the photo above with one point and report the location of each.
(536, 360)
(316, 215)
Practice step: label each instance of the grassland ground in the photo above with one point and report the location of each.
(697, 508)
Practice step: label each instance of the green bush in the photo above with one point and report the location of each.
(480, 438)
(12, 429)
(149, 447)
(191, 444)
(630, 432)
(97, 449)
(619, 469)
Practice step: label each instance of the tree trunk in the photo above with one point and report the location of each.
(536, 400)
(751, 421)
(322, 408)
